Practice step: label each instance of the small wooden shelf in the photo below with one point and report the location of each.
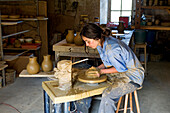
(10, 57)
(21, 48)
(155, 7)
(2, 66)
(153, 27)
(11, 23)
(24, 73)
(17, 33)
(26, 19)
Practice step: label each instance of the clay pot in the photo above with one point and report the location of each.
(70, 36)
(120, 28)
(77, 39)
(33, 66)
(47, 64)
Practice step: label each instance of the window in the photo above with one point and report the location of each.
(120, 8)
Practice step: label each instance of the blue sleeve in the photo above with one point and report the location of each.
(116, 59)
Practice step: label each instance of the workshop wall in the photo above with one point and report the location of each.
(65, 14)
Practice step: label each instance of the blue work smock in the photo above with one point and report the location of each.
(119, 55)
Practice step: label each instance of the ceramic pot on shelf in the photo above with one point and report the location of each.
(47, 64)
(33, 67)
(120, 28)
(77, 39)
(70, 36)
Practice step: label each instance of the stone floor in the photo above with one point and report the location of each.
(25, 94)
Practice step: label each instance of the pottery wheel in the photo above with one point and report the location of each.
(83, 78)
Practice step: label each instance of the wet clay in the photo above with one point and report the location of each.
(82, 76)
(91, 72)
(63, 73)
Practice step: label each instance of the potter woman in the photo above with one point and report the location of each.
(117, 58)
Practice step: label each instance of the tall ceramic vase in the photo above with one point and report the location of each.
(70, 36)
(77, 39)
(47, 64)
(33, 67)
(120, 28)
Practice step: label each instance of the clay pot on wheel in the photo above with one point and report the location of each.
(33, 67)
(47, 64)
(77, 39)
(70, 36)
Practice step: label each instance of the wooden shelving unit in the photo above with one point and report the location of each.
(139, 9)
(40, 9)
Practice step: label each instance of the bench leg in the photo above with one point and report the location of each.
(46, 103)
(66, 107)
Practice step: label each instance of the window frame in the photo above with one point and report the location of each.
(109, 10)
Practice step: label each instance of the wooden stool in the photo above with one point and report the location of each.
(144, 47)
(126, 102)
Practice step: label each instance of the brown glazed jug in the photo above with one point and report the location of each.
(70, 36)
(33, 67)
(77, 39)
(47, 64)
(120, 28)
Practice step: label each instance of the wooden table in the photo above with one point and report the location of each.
(62, 48)
(78, 91)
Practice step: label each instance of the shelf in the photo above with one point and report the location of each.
(153, 27)
(24, 73)
(21, 48)
(16, 33)
(10, 57)
(155, 7)
(2, 66)
(11, 23)
(26, 19)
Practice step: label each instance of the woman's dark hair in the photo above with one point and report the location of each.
(93, 31)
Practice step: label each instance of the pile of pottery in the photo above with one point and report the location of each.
(33, 67)
(70, 38)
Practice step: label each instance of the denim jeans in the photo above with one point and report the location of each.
(112, 94)
(110, 97)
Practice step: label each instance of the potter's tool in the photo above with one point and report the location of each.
(80, 61)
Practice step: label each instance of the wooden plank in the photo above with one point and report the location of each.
(16, 33)
(153, 27)
(10, 57)
(2, 62)
(24, 73)
(79, 91)
(2, 66)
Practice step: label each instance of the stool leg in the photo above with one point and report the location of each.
(135, 49)
(131, 106)
(118, 105)
(137, 102)
(126, 103)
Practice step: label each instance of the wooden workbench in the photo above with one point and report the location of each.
(78, 91)
(62, 48)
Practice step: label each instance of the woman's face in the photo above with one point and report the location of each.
(91, 42)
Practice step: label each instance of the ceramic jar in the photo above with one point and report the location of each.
(47, 64)
(33, 66)
(77, 39)
(120, 28)
(70, 36)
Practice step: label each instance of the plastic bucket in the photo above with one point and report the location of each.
(140, 36)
